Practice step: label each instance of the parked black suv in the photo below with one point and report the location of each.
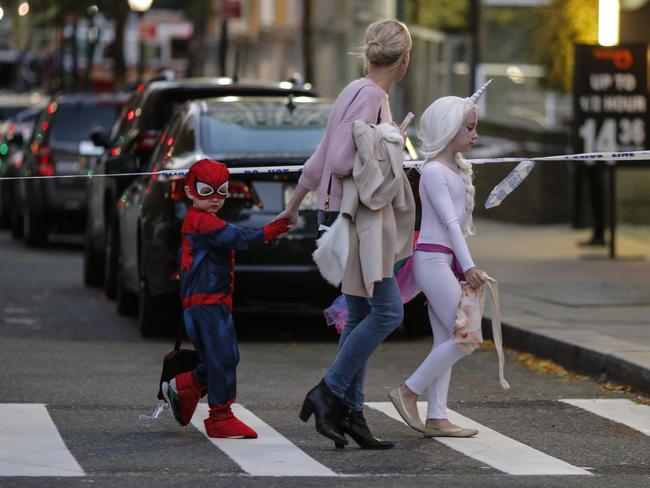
(130, 146)
(251, 131)
(60, 145)
(16, 132)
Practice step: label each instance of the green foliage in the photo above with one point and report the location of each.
(565, 22)
(508, 33)
(446, 15)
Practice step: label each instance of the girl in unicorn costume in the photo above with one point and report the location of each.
(442, 258)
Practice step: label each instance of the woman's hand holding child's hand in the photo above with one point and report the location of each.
(275, 228)
(289, 215)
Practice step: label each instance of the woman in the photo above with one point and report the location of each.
(337, 400)
(442, 258)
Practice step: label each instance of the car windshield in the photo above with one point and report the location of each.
(263, 129)
(73, 122)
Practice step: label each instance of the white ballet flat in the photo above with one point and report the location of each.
(458, 432)
(395, 396)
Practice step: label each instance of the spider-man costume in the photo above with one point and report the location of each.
(207, 260)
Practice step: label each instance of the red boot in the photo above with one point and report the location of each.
(184, 397)
(222, 423)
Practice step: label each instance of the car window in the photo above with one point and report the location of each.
(73, 122)
(263, 129)
(127, 118)
(163, 150)
(123, 121)
(185, 141)
(157, 110)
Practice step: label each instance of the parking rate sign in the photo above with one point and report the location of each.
(610, 98)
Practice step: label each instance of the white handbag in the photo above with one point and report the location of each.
(332, 250)
(467, 327)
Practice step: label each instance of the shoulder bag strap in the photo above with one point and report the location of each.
(329, 185)
(496, 329)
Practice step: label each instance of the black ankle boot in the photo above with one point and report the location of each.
(356, 427)
(329, 412)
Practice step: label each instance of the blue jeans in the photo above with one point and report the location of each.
(370, 321)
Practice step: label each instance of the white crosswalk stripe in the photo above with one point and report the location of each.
(494, 449)
(30, 444)
(271, 454)
(619, 410)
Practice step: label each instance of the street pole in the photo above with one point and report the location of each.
(223, 47)
(475, 52)
(307, 41)
(75, 56)
(141, 49)
(611, 170)
(140, 7)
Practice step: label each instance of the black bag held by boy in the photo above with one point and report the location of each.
(177, 361)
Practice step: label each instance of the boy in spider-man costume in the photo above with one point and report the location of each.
(206, 275)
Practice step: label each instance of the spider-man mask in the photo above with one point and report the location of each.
(208, 179)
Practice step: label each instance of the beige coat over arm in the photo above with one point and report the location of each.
(379, 201)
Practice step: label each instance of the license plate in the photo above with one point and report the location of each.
(310, 202)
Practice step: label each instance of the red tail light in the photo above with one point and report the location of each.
(177, 188)
(45, 162)
(147, 140)
(239, 189)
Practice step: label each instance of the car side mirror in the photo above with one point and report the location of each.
(99, 137)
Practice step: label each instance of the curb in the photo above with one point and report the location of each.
(599, 365)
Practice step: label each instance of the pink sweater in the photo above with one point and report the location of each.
(362, 99)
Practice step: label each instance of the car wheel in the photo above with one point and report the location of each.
(127, 302)
(5, 205)
(34, 229)
(110, 259)
(93, 264)
(157, 315)
(16, 224)
(149, 315)
(416, 318)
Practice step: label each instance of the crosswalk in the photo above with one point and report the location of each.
(31, 445)
(499, 451)
(271, 454)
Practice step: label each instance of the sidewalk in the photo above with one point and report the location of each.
(570, 304)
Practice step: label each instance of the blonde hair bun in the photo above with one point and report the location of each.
(387, 41)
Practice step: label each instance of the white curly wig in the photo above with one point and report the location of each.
(439, 124)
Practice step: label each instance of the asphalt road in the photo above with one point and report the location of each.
(64, 345)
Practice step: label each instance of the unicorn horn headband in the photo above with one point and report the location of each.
(479, 93)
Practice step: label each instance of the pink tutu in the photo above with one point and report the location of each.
(337, 313)
(408, 289)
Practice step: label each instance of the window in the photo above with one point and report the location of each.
(266, 129)
(185, 142)
(73, 122)
(164, 149)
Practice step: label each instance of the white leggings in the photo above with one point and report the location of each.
(433, 275)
